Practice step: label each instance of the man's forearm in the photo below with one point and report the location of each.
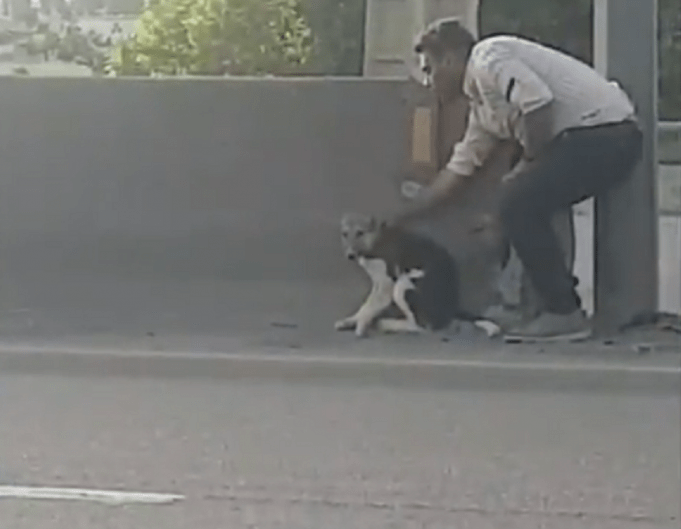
(445, 186)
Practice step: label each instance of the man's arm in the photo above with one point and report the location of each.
(445, 185)
(451, 181)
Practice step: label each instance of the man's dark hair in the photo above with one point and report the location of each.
(445, 35)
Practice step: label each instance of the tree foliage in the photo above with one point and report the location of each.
(326, 37)
(216, 37)
(338, 29)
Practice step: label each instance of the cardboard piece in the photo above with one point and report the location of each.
(422, 136)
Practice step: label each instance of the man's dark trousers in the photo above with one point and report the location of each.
(578, 164)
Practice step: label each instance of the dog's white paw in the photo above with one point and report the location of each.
(398, 326)
(362, 328)
(345, 324)
(490, 328)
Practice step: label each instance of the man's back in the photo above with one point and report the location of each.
(582, 97)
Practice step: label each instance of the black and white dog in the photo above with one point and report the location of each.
(409, 272)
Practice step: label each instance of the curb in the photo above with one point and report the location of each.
(461, 374)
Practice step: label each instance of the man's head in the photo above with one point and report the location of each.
(444, 48)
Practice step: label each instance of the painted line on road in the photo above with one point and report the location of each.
(256, 357)
(108, 497)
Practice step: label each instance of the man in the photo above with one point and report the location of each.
(579, 136)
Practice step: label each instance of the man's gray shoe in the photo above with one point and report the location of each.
(550, 327)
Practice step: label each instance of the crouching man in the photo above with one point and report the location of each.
(579, 136)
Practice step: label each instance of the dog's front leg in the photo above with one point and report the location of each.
(399, 326)
(408, 323)
(379, 300)
(350, 322)
(346, 324)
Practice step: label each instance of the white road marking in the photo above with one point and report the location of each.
(109, 497)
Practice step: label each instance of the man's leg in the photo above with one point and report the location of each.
(579, 164)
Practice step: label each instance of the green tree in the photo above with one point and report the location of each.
(217, 37)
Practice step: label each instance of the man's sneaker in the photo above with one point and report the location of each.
(550, 327)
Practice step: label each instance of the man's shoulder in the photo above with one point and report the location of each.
(498, 47)
(492, 49)
(500, 42)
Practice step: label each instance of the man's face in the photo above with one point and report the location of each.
(444, 74)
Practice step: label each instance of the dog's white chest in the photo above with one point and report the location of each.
(376, 269)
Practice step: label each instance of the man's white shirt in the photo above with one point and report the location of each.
(507, 77)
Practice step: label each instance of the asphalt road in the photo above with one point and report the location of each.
(275, 455)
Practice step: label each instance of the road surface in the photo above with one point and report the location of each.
(309, 455)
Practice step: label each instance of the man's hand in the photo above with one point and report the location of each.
(519, 168)
(445, 185)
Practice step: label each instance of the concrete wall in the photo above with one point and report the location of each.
(198, 206)
(130, 206)
(181, 183)
(203, 174)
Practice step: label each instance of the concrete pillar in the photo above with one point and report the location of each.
(626, 241)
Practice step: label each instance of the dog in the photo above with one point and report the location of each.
(409, 272)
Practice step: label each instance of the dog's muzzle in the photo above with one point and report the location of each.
(352, 256)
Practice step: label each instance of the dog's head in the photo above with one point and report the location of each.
(359, 234)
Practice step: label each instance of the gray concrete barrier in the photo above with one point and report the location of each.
(194, 206)
(124, 200)
(192, 177)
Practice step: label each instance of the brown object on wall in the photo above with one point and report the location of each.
(423, 121)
